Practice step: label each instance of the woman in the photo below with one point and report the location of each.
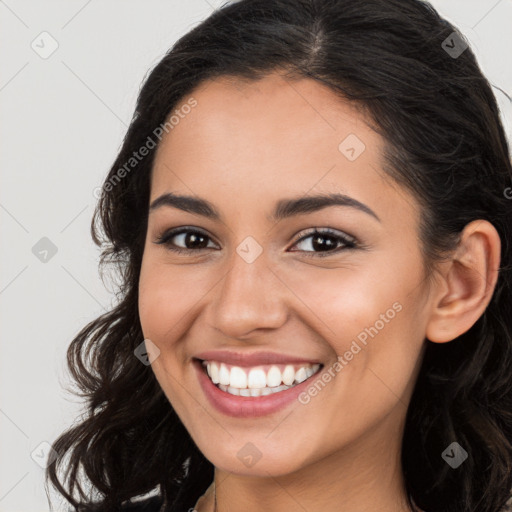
(311, 218)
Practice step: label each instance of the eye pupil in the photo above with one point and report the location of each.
(317, 245)
(193, 237)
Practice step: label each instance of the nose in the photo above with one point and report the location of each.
(249, 297)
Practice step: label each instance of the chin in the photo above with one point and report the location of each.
(256, 456)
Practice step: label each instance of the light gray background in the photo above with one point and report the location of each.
(63, 120)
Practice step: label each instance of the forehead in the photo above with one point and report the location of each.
(271, 113)
(254, 140)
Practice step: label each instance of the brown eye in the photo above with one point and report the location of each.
(326, 242)
(323, 242)
(192, 239)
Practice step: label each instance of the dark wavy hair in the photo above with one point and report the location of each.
(444, 142)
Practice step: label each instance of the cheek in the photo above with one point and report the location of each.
(371, 326)
(372, 317)
(343, 301)
(166, 299)
(167, 296)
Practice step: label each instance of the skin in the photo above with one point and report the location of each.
(244, 147)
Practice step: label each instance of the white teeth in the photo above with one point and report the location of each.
(233, 391)
(301, 376)
(223, 375)
(288, 375)
(252, 392)
(273, 377)
(256, 382)
(257, 378)
(238, 378)
(213, 372)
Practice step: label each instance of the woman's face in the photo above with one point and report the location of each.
(256, 282)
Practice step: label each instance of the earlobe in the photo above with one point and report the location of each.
(467, 284)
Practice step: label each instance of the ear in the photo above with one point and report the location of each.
(467, 283)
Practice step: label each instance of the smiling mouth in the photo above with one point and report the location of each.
(259, 380)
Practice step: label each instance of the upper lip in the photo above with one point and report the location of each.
(251, 359)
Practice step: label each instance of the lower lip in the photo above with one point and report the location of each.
(248, 406)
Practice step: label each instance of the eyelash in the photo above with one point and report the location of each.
(348, 241)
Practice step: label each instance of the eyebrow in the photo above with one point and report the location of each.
(284, 208)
